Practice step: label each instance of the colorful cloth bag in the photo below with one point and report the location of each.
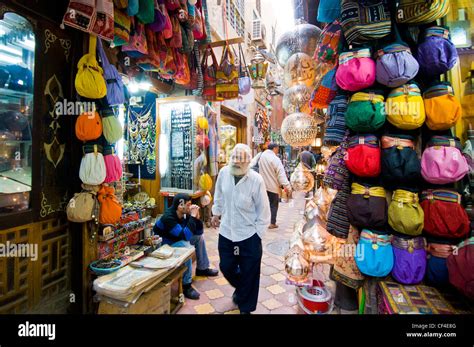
(405, 214)
(410, 259)
(209, 73)
(115, 94)
(421, 11)
(227, 85)
(367, 207)
(363, 156)
(336, 125)
(113, 167)
(325, 91)
(112, 128)
(365, 21)
(400, 163)
(92, 170)
(444, 215)
(436, 54)
(437, 268)
(395, 65)
(356, 70)
(88, 126)
(374, 254)
(336, 175)
(366, 111)
(90, 82)
(405, 107)
(110, 208)
(460, 268)
(122, 25)
(338, 223)
(442, 108)
(329, 44)
(329, 10)
(442, 161)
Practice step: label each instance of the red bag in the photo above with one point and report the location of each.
(177, 40)
(172, 5)
(199, 27)
(150, 62)
(460, 268)
(183, 75)
(209, 75)
(167, 68)
(168, 30)
(363, 156)
(444, 215)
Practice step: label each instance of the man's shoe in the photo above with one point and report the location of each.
(273, 226)
(208, 272)
(190, 293)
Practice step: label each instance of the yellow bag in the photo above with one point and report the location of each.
(202, 123)
(205, 182)
(90, 82)
(442, 108)
(405, 108)
(405, 214)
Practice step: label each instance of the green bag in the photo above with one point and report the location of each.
(365, 112)
(405, 214)
(146, 12)
(111, 127)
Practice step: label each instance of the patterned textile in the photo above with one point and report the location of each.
(336, 125)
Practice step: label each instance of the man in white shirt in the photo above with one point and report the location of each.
(273, 173)
(242, 211)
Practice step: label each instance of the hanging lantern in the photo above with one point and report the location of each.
(302, 180)
(296, 266)
(302, 39)
(299, 129)
(296, 99)
(300, 69)
(258, 71)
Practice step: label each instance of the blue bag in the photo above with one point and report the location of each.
(374, 254)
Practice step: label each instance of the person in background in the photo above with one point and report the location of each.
(180, 227)
(242, 212)
(307, 158)
(273, 173)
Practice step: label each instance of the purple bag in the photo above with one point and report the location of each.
(160, 19)
(395, 65)
(410, 259)
(436, 54)
(115, 94)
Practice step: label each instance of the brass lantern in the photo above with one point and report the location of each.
(258, 71)
(300, 69)
(296, 99)
(299, 129)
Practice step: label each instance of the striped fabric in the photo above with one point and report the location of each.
(441, 195)
(409, 244)
(375, 238)
(360, 96)
(406, 89)
(336, 175)
(405, 196)
(336, 126)
(378, 192)
(363, 21)
(359, 53)
(421, 11)
(338, 222)
(329, 43)
(440, 89)
(440, 250)
(444, 141)
(439, 32)
(368, 140)
(388, 142)
(393, 48)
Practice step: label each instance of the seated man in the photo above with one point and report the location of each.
(180, 226)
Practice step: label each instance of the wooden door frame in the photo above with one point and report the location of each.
(236, 119)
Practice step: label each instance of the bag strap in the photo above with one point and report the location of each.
(209, 52)
(92, 44)
(242, 59)
(102, 55)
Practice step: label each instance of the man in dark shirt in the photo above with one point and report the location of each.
(179, 227)
(307, 158)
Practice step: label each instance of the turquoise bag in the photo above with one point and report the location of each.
(374, 254)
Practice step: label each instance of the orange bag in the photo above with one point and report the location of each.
(110, 208)
(88, 126)
(441, 106)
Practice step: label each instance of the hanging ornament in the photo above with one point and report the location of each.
(302, 39)
(299, 129)
(258, 70)
(300, 69)
(302, 180)
(296, 266)
(296, 99)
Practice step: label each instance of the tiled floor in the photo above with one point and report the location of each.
(275, 296)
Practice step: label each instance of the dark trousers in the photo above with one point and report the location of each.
(240, 264)
(274, 199)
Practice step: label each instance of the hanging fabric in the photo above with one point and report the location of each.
(115, 95)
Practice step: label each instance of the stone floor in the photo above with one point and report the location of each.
(275, 296)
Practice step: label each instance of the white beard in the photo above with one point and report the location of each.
(239, 171)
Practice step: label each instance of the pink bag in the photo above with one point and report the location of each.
(113, 167)
(356, 70)
(442, 161)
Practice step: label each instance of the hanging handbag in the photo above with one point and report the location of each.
(176, 40)
(405, 108)
(151, 61)
(183, 74)
(133, 7)
(92, 170)
(328, 10)
(121, 4)
(137, 47)
(366, 111)
(374, 254)
(329, 44)
(90, 82)
(421, 11)
(81, 14)
(460, 268)
(337, 175)
(409, 259)
(146, 11)
(113, 167)
(325, 92)
(356, 70)
(88, 126)
(209, 75)
(159, 22)
(400, 162)
(122, 25)
(83, 207)
(172, 5)
(437, 267)
(336, 125)
(245, 83)
(227, 85)
(104, 22)
(367, 206)
(168, 30)
(167, 68)
(199, 28)
(405, 214)
(110, 208)
(187, 38)
(442, 108)
(363, 156)
(115, 94)
(112, 128)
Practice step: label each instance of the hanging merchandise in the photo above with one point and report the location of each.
(365, 21)
(146, 11)
(325, 92)
(176, 41)
(258, 70)
(115, 94)
(187, 38)
(133, 7)
(297, 266)
(83, 207)
(460, 268)
(329, 10)
(395, 65)
(421, 12)
(90, 82)
(159, 21)
(409, 259)
(209, 72)
(183, 74)
(121, 4)
(336, 125)
(436, 54)
(172, 5)
(206, 199)
(374, 254)
(367, 206)
(196, 83)
(442, 161)
(122, 25)
(227, 86)
(400, 162)
(444, 215)
(302, 179)
(110, 208)
(199, 26)
(137, 46)
(405, 214)
(437, 268)
(245, 83)
(88, 126)
(165, 63)
(366, 111)
(92, 170)
(330, 43)
(300, 69)
(168, 30)
(363, 156)
(338, 223)
(302, 39)
(299, 129)
(442, 108)
(202, 141)
(112, 128)
(152, 61)
(113, 166)
(356, 70)
(205, 182)
(405, 107)
(296, 99)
